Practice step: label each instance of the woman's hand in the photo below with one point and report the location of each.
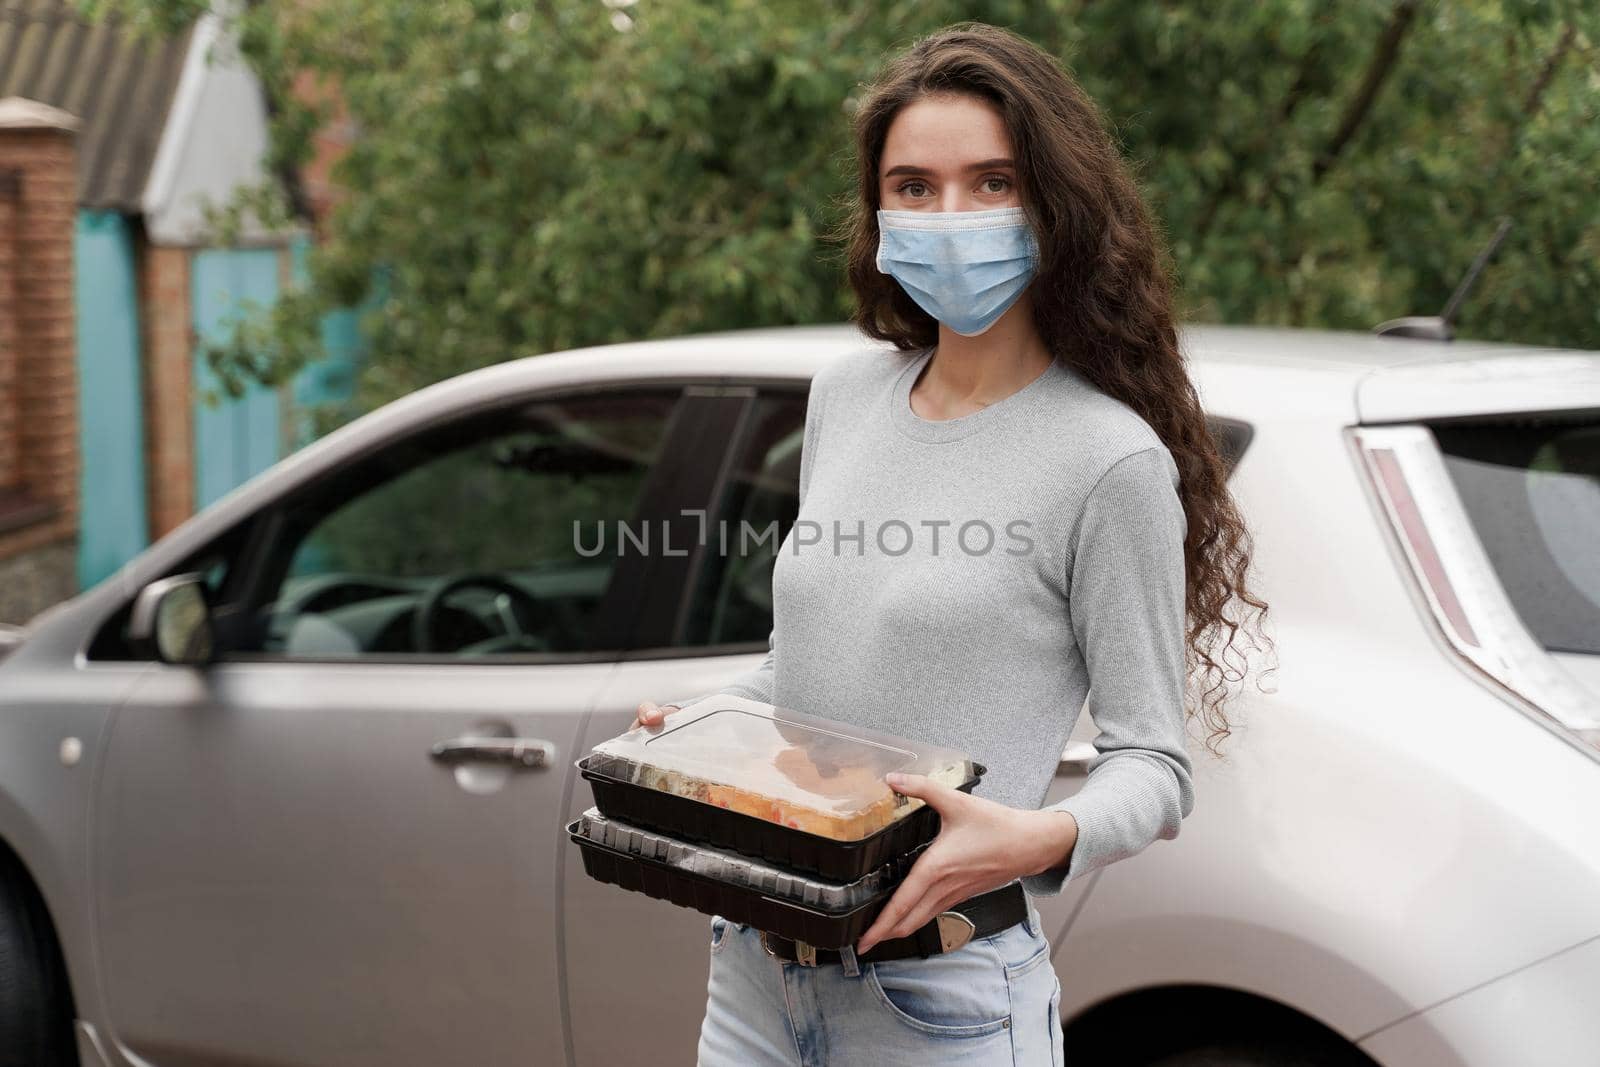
(981, 846)
(650, 715)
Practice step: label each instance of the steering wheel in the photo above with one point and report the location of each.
(523, 606)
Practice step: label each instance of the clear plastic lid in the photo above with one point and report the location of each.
(817, 775)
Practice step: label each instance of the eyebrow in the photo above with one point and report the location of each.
(982, 164)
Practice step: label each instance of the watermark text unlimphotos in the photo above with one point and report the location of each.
(892, 537)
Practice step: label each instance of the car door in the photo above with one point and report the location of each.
(629, 956)
(339, 843)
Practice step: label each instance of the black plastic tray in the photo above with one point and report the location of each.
(782, 846)
(737, 904)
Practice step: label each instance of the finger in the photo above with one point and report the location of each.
(879, 929)
(904, 898)
(650, 714)
(900, 902)
(937, 795)
(924, 912)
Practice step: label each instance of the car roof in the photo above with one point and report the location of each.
(1238, 369)
(797, 351)
(1356, 350)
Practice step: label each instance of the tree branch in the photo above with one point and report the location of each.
(1378, 71)
(1530, 104)
(1234, 181)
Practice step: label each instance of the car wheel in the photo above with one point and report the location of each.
(1247, 1052)
(35, 1004)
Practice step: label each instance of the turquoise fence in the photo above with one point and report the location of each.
(233, 440)
(111, 485)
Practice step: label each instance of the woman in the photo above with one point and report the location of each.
(1018, 504)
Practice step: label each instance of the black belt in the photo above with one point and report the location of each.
(984, 915)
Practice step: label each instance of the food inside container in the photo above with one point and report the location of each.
(811, 774)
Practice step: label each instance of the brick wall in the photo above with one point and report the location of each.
(166, 321)
(10, 401)
(330, 142)
(39, 462)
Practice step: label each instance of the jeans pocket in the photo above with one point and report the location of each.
(1022, 948)
(954, 994)
(719, 933)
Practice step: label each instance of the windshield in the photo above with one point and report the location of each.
(1531, 486)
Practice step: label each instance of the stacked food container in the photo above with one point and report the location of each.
(763, 815)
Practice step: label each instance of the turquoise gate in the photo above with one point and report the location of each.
(112, 525)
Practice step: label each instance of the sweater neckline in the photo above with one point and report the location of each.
(935, 430)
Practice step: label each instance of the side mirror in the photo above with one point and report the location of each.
(171, 621)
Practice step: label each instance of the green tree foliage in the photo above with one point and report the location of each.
(529, 177)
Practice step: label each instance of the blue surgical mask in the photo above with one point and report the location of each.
(965, 268)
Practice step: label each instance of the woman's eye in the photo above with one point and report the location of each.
(1004, 182)
(913, 183)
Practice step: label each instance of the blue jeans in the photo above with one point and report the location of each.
(995, 1000)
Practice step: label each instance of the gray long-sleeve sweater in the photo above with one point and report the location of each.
(970, 581)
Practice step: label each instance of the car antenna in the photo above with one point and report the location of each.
(1439, 327)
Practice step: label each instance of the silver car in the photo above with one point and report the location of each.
(290, 788)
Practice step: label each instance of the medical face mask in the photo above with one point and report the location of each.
(965, 268)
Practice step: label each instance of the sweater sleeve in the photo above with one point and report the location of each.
(1127, 603)
(756, 683)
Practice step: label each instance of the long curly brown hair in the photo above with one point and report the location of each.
(1102, 297)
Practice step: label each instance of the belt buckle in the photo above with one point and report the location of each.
(955, 930)
(805, 955)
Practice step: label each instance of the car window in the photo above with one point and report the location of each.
(1531, 487)
(493, 539)
(731, 598)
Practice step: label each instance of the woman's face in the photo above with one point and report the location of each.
(947, 152)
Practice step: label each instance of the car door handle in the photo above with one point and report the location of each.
(1075, 757)
(528, 752)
